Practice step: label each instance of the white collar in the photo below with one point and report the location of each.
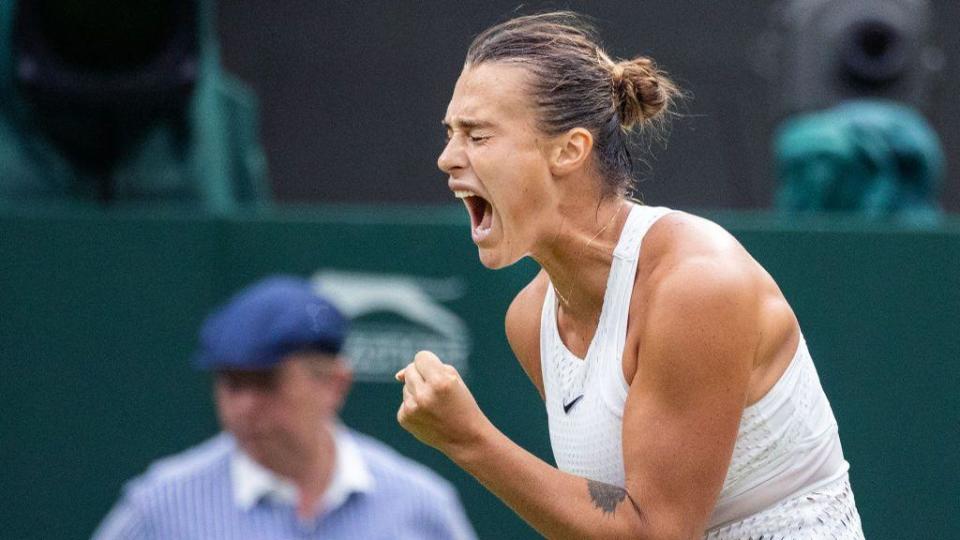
(253, 482)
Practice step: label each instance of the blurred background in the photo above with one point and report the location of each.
(382, 72)
(157, 155)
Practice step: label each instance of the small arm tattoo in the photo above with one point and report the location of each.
(606, 497)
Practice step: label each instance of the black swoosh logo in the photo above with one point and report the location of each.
(568, 406)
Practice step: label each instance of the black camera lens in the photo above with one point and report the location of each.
(873, 52)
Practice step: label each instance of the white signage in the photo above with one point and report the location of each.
(395, 316)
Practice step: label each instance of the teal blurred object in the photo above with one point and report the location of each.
(207, 158)
(880, 159)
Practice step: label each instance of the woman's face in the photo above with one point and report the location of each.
(496, 161)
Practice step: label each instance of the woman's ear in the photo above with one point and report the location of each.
(571, 151)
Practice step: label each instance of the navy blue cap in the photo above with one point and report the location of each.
(267, 321)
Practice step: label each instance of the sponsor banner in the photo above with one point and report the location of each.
(395, 316)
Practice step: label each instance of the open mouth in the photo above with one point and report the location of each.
(480, 210)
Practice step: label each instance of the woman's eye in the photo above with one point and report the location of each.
(477, 139)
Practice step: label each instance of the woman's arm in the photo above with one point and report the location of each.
(683, 409)
(522, 326)
(680, 420)
(440, 411)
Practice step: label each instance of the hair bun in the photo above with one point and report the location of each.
(641, 92)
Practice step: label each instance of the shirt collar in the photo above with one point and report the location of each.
(253, 482)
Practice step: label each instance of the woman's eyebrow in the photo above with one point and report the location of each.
(465, 123)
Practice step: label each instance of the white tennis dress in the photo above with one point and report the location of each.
(787, 477)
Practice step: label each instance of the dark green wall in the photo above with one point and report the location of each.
(100, 312)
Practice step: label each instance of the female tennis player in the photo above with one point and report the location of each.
(682, 400)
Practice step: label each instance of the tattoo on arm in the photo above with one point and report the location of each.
(608, 497)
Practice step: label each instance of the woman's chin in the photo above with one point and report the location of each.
(495, 259)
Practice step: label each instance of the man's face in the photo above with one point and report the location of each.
(276, 415)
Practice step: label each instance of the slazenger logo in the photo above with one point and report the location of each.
(393, 317)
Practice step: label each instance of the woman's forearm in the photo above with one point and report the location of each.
(555, 503)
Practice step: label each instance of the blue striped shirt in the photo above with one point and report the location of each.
(192, 495)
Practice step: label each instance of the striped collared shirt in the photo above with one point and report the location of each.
(214, 491)
(253, 482)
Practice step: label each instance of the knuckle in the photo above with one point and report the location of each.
(448, 382)
(427, 398)
(444, 385)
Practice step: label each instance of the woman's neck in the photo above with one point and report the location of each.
(578, 257)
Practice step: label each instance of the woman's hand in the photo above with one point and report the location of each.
(437, 407)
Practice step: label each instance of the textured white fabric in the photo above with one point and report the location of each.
(787, 445)
(586, 438)
(828, 511)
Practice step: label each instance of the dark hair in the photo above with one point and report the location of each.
(576, 84)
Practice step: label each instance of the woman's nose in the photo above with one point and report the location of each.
(451, 158)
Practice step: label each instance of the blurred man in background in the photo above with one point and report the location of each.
(284, 467)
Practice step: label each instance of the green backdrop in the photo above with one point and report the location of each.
(100, 313)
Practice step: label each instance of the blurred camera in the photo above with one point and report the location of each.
(138, 55)
(818, 53)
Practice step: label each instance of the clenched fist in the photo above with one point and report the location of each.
(437, 407)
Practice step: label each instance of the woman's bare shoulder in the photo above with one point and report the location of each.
(687, 261)
(523, 326)
(678, 236)
(682, 244)
(695, 272)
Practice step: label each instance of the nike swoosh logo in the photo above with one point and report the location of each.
(568, 406)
